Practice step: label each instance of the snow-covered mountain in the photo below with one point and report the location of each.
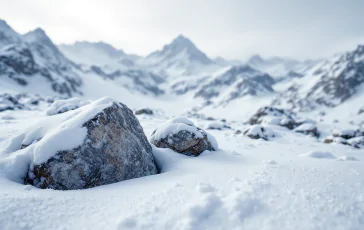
(33, 63)
(7, 35)
(226, 85)
(280, 68)
(329, 83)
(236, 82)
(114, 65)
(180, 57)
(98, 53)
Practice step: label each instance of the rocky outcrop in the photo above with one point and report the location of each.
(274, 116)
(22, 101)
(115, 149)
(354, 138)
(144, 111)
(182, 136)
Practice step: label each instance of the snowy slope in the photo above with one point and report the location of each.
(7, 35)
(247, 184)
(98, 53)
(281, 68)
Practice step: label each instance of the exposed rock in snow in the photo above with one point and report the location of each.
(361, 110)
(308, 129)
(319, 154)
(357, 142)
(274, 116)
(181, 135)
(61, 106)
(346, 134)
(22, 101)
(217, 125)
(259, 132)
(144, 111)
(98, 144)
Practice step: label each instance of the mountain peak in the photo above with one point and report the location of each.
(38, 35)
(7, 35)
(181, 50)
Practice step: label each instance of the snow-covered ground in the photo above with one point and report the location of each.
(292, 181)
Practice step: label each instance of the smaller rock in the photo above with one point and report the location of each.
(346, 134)
(357, 142)
(181, 135)
(259, 132)
(144, 111)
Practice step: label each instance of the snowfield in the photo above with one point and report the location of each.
(246, 184)
(288, 135)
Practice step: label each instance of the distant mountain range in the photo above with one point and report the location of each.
(32, 63)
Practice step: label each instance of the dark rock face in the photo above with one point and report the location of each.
(115, 149)
(144, 111)
(190, 141)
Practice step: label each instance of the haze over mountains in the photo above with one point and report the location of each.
(32, 63)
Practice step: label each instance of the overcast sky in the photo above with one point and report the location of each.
(229, 28)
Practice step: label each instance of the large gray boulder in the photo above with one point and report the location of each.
(115, 149)
(182, 136)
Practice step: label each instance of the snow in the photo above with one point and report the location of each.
(61, 106)
(305, 127)
(174, 126)
(245, 184)
(226, 189)
(347, 158)
(47, 137)
(319, 154)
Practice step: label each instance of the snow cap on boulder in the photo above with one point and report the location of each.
(97, 144)
(181, 135)
(259, 132)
